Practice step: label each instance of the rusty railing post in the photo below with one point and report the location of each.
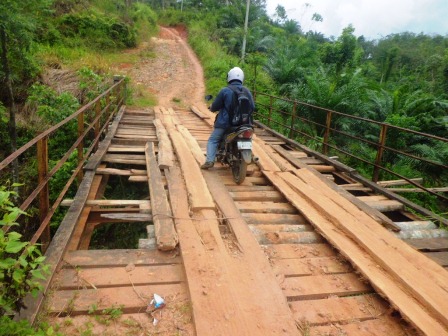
(270, 111)
(379, 153)
(293, 120)
(327, 132)
(97, 124)
(44, 194)
(81, 144)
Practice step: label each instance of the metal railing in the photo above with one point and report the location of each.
(92, 121)
(324, 128)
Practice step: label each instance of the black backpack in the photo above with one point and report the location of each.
(241, 112)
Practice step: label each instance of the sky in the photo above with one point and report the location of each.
(372, 18)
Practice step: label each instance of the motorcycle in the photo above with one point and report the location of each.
(235, 150)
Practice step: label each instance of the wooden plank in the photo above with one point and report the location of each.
(273, 219)
(166, 235)
(431, 244)
(138, 179)
(75, 302)
(339, 309)
(439, 257)
(76, 278)
(196, 111)
(383, 325)
(408, 190)
(379, 278)
(398, 182)
(306, 237)
(263, 228)
(121, 172)
(125, 149)
(386, 205)
(310, 266)
(268, 196)
(266, 207)
(129, 217)
(165, 154)
(119, 258)
(197, 188)
(323, 286)
(288, 251)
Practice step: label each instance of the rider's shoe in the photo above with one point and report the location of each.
(207, 165)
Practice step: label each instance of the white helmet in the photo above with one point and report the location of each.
(235, 73)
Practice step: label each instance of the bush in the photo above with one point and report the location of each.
(21, 264)
(98, 30)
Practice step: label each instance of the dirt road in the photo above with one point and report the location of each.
(174, 76)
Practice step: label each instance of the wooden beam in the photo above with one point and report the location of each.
(165, 154)
(198, 193)
(166, 235)
(129, 217)
(198, 112)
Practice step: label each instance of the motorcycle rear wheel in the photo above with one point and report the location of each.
(239, 171)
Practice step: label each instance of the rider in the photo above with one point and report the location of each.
(223, 103)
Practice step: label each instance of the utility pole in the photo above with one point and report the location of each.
(243, 49)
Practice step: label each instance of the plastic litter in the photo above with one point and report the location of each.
(158, 301)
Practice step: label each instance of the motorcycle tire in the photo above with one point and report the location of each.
(239, 171)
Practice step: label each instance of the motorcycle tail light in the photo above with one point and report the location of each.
(246, 134)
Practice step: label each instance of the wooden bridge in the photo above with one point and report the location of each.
(300, 248)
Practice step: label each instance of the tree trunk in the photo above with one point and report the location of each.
(12, 106)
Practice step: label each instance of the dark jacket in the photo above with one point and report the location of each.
(223, 103)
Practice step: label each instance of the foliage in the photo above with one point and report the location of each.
(21, 264)
(50, 105)
(23, 328)
(98, 30)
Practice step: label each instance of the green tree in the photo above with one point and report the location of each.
(18, 23)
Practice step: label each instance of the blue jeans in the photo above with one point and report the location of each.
(213, 142)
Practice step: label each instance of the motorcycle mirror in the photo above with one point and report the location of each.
(208, 97)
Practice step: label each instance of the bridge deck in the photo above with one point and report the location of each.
(289, 251)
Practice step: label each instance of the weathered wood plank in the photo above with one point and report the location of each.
(198, 112)
(129, 217)
(382, 325)
(323, 286)
(119, 258)
(121, 172)
(431, 244)
(199, 198)
(274, 219)
(310, 266)
(288, 251)
(266, 207)
(166, 234)
(165, 154)
(76, 278)
(267, 196)
(339, 309)
(74, 302)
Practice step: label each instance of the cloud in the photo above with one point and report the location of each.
(372, 19)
